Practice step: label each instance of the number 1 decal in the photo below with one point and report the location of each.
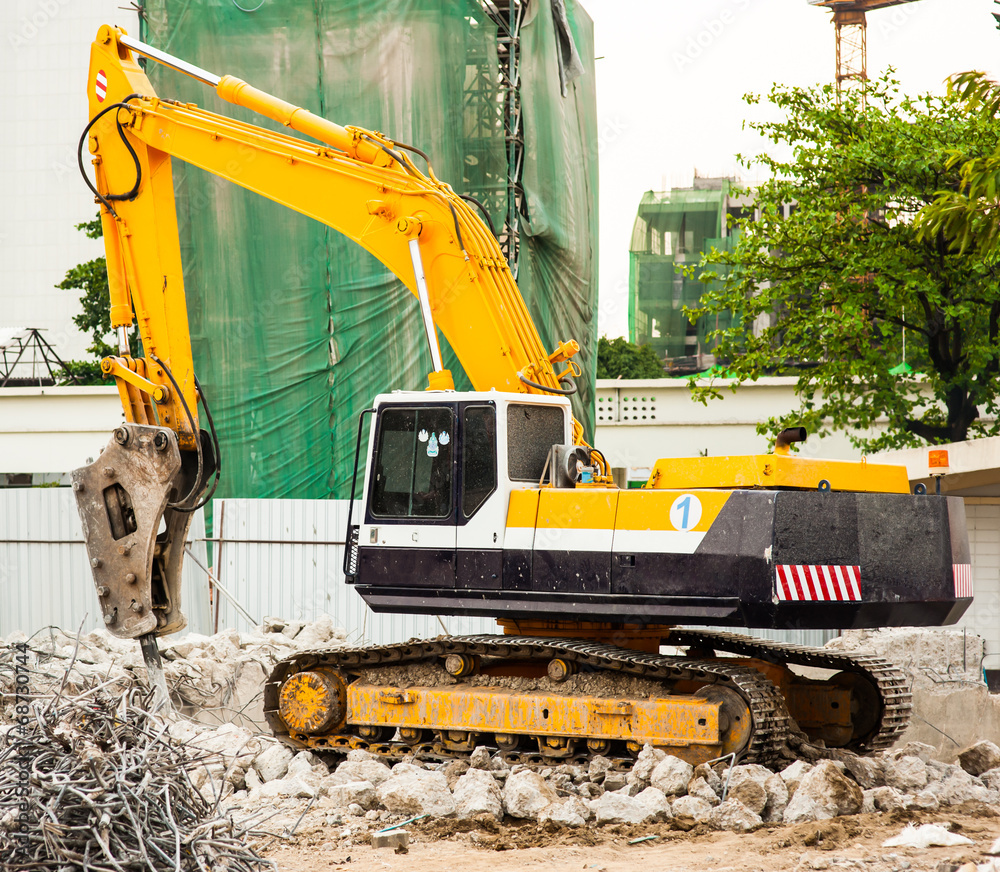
(685, 513)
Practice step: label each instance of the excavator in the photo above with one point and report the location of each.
(491, 502)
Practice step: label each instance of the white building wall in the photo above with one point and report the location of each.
(44, 55)
(50, 431)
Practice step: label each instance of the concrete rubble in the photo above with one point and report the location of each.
(359, 793)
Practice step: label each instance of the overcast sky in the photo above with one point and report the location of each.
(672, 74)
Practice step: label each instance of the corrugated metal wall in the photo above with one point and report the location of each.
(45, 577)
(284, 558)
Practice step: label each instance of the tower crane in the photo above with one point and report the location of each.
(850, 22)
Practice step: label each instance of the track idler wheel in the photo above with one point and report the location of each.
(313, 702)
(462, 741)
(735, 723)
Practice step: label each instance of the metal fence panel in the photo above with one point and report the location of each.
(45, 577)
(284, 558)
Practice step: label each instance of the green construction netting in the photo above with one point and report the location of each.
(295, 329)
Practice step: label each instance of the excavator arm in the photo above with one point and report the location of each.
(136, 500)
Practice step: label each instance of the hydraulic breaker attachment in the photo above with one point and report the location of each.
(134, 541)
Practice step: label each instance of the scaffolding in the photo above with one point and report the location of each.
(489, 106)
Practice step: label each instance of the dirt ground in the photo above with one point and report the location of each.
(848, 843)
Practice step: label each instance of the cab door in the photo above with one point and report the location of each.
(482, 505)
(408, 535)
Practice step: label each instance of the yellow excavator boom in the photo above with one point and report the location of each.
(355, 181)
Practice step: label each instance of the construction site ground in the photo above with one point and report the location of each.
(847, 843)
(308, 813)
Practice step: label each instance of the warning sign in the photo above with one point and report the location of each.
(101, 86)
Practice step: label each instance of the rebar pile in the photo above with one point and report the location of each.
(94, 782)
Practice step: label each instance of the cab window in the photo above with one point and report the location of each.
(532, 430)
(413, 463)
(479, 458)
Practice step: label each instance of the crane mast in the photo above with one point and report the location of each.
(850, 22)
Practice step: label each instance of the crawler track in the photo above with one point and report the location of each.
(773, 730)
(891, 683)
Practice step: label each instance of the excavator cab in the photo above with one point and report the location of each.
(441, 470)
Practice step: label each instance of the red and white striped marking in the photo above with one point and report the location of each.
(101, 86)
(963, 579)
(818, 583)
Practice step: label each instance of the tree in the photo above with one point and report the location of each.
(92, 279)
(619, 358)
(876, 319)
(971, 215)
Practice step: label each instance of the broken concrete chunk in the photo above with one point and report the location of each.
(617, 808)
(991, 779)
(453, 770)
(598, 768)
(361, 770)
(672, 776)
(306, 763)
(694, 809)
(697, 786)
(477, 792)
(824, 792)
(735, 816)
(569, 812)
(748, 785)
(777, 798)
(912, 749)
(980, 758)
(888, 798)
(712, 779)
(272, 762)
(648, 759)
(525, 794)
(869, 772)
(906, 774)
(656, 801)
(414, 791)
(480, 758)
(792, 775)
(360, 793)
(392, 839)
(959, 786)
